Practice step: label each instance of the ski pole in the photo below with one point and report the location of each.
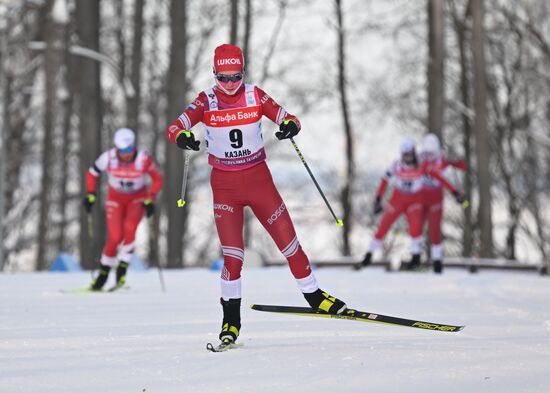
(465, 203)
(339, 222)
(90, 235)
(181, 201)
(90, 225)
(153, 234)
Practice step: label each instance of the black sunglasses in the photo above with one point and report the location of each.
(226, 78)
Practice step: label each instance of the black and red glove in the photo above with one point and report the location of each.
(459, 197)
(186, 141)
(149, 207)
(287, 129)
(88, 201)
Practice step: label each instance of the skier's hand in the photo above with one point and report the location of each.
(377, 208)
(186, 140)
(459, 197)
(287, 129)
(149, 207)
(88, 201)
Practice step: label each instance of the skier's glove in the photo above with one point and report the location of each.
(459, 197)
(287, 129)
(88, 201)
(377, 208)
(186, 140)
(149, 207)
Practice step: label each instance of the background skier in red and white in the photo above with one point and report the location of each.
(432, 194)
(407, 175)
(128, 197)
(231, 112)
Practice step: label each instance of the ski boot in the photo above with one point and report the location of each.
(231, 324)
(438, 266)
(322, 301)
(414, 263)
(367, 260)
(101, 279)
(121, 275)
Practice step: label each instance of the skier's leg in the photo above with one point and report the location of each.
(271, 211)
(229, 217)
(114, 237)
(392, 211)
(435, 214)
(134, 213)
(414, 215)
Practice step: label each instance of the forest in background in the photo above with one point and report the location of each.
(474, 72)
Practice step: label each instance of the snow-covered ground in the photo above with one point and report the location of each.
(144, 340)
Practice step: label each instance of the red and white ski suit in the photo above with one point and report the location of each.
(432, 198)
(406, 199)
(240, 177)
(124, 206)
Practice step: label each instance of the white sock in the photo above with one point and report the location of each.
(308, 284)
(231, 289)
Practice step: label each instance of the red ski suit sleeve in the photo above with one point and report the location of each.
(193, 114)
(91, 181)
(156, 179)
(426, 169)
(458, 164)
(430, 171)
(384, 183)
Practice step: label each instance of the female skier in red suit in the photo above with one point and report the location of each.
(432, 195)
(128, 197)
(231, 112)
(408, 176)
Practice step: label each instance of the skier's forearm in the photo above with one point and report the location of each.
(91, 180)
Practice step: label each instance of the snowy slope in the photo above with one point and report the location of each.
(143, 340)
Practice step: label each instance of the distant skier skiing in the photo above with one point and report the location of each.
(433, 158)
(128, 197)
(231, 112)
(408, 175)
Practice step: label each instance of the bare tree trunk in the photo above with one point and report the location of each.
(272, 42)
(120, 40)
(177, 87)
(90, 115)
(155, 89)
(465, 91)
(436, 49)
(350, 165)
(247, 34)
(135, 74)
(234, 22)
(52, 63)
(4, 131)
(248, 216)
(481, 133)
(533, 201)
(18, 30)
(69, 83)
